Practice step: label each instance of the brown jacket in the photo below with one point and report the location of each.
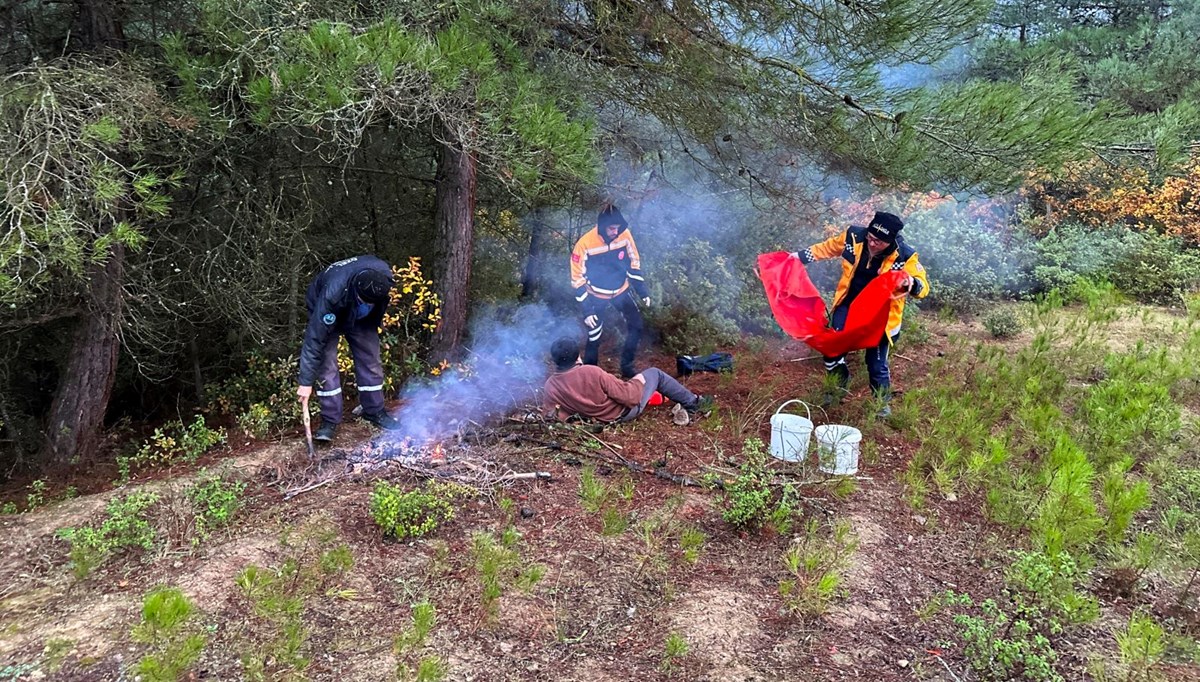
(589, 391)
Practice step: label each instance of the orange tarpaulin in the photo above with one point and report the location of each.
(800, 311)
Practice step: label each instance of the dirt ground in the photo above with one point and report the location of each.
(605, 605)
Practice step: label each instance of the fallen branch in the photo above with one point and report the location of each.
(528, 476)
(947, 667)
(681, 479)
(299, 491)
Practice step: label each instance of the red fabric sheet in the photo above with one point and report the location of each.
(800, 311)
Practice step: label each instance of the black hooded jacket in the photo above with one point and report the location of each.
(331, 302)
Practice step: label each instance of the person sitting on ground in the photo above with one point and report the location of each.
(588, 391)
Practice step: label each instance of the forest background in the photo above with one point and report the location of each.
(174, 172)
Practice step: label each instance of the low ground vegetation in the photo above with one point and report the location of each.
(1067, 448)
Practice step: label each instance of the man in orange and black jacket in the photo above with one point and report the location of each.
(867, 252)
(606, 269)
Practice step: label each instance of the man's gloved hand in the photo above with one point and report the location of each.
(646, 301)
(304, 392)
(591, 321)
(903, 287)
(795, 254)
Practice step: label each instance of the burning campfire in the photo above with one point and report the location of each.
(374, 453)
(465, 456)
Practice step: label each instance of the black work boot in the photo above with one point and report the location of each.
(884, 400)
(326, 433)
(833, 395)
(703, 406)
(383, 420)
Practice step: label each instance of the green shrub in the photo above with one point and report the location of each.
(814, 564)
(691, 541)
(262, 396)
(748, 498)
(1050, 588)
(278, 596)
(256, 421)
(972, 256)
(215, 501)
(424, 617)
(36, 496)
(916, 331)
(412, 513)
(1160, 270)
(1002, 323)
(696, 294)
(613, 521)
(429, 668)
(125, 525)
(1066, 519)
(1147, 267)
(165, 614)
(674, 648)
(1071, 252)
(499, 566)
(176, 442)
(593, 493)
(1000, 647)
(1141, 645)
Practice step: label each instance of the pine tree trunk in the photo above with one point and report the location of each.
(455, 221)
(81, 398)
(535, 264)
(100, 25)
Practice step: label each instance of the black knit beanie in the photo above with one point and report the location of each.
(373, 286)
(564, 352)
(611, 215)
(886, 226)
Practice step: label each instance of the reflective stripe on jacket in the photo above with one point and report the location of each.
(851, 245)
(604, 270)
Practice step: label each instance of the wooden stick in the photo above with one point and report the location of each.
(312, 452)
(532, 475)
(293, 493)
(939, 658)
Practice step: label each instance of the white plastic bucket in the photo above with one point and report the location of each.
(790, 434)
(837, 449)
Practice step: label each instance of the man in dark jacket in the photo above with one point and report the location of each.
(347, 299)
(607, 269)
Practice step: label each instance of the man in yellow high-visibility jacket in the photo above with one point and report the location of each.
(867, 252)
(607, 269)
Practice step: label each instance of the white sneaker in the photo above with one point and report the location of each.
(679, 415)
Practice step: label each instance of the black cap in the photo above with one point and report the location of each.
(886, 226)
(565, 352)
(373, 286)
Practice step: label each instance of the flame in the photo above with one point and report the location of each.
(438, 455)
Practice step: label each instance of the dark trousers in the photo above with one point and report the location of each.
(368, 372)
(658, 380)
(878, 372)
(627, 305)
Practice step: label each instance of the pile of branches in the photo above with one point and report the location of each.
(474, 458)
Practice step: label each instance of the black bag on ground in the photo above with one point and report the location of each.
(713, 362)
